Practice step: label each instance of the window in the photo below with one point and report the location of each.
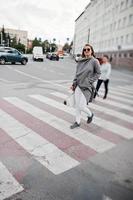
(119, 23)
(127, 38)
(124, 21)
(121, 39)
(110, 27)
(130, 19)
(127, 1)
(117, 40)
(125, 55)
(114, 25)
(132, 38)
(10, 51)
(131, 54)
(122, 6)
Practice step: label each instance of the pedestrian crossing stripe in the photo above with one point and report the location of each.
(98, 144)
(42, 145)
(8, 184)
(126, 90)
(119, 105)
(105, 124)
(43, 151)
(124, 99)
(120, 93)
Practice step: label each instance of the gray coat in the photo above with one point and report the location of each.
(87, 72)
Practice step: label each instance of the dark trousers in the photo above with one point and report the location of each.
(99, 82)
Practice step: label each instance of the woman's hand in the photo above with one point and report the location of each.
(72, 88)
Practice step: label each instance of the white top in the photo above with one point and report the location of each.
(105, 71)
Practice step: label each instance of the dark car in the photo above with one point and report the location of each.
(54, 56)
(8, 54)
(48, 55)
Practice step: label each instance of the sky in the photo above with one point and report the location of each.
(46, 19)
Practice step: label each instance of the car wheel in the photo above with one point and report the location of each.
(24, 61)
(13, 63)
(2, 61)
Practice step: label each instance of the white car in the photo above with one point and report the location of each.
(38, 53)
(77, 57)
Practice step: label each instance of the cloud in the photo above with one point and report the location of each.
(47, 19)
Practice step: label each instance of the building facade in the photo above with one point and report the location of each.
(108, 26)
(20, 35)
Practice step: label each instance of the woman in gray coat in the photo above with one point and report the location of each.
(87, 72)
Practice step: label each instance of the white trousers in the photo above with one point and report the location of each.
(80, 104)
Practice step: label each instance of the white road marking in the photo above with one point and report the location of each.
(85, 137)
(42, 150)
(8, 184)
(119, 105)
(117, 129)
(40, 79)
(124, 100)
(118, 92)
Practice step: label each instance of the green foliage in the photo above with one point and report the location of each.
(13, 42)
(3, 37)
(37, 42)
(67, 47)
(20, 47)
(29, 51)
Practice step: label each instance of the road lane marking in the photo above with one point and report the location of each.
(40, 79)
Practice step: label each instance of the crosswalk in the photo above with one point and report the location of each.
(38, 125)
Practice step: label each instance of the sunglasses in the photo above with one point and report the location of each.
(88, 49)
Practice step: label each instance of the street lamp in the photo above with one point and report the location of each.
(67, 39)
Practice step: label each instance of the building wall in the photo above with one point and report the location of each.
(107, 25)
(19, 34)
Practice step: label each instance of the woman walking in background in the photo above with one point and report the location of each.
(105, 74)
(87, 72)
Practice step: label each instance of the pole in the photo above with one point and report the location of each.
(88, 35)
(1, 38)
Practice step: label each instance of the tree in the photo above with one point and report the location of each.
(67, 47)
(46, 46)
(20, 47)
(37, 42)
(8, 40)
(3, 39)
(53, 47)
(13, 42)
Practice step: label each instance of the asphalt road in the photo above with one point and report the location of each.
(41, 158)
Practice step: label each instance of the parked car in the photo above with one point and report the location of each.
(8, 54)
(48, 55)
(52, 56)
(38, 53)
(77, 57)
